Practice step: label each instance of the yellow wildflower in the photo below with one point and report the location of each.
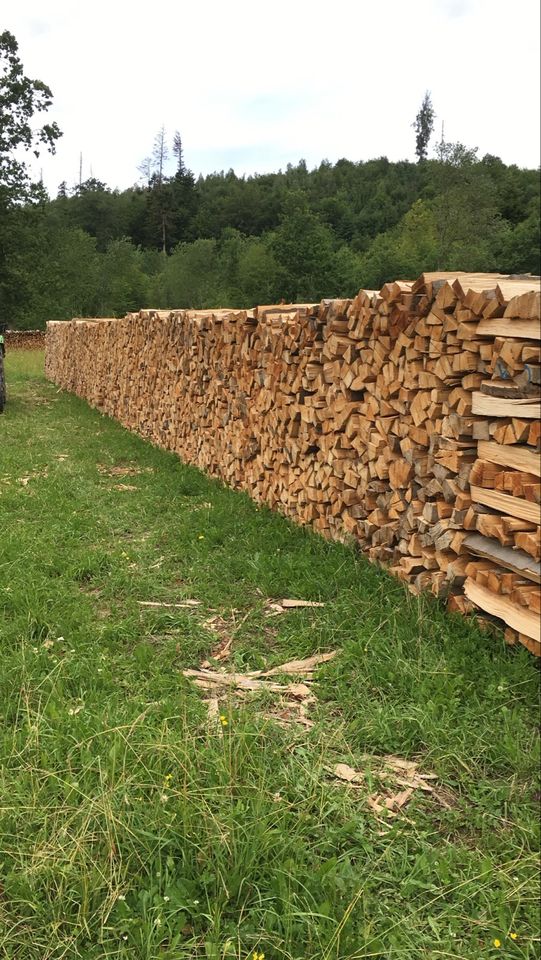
(497, 943)
(201, 536)
(514, 936)
(224, 721)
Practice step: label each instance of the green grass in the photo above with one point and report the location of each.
(133, 827)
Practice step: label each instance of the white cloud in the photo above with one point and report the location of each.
(254, 86)
(457, 8)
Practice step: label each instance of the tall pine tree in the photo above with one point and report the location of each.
(424, 126)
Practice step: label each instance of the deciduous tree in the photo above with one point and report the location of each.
(20, 100)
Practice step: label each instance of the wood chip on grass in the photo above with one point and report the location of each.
(257, 678)
(130, 470)
(295, 697)
(155, 604)
(391, 772)
(219, 653)
(210, 679)
(273, 608)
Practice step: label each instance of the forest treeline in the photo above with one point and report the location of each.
(299, 234)
(174, 240)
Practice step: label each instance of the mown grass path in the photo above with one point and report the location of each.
(133, 825)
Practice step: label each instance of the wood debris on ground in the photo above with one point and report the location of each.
(151, 604)
(130, 470)
(391, 772)
(226, 631)
(210, 679)
(295, 698)
(219, 653)
(275, 607)
(35, 475)
(304, 667)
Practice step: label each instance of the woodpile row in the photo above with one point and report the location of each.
(407, 419)
(25, 339)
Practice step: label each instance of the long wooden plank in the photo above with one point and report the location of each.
(516, 560)
(509, 506)
(517, 617)
(487, 406)
(516, 457)
(505, 327)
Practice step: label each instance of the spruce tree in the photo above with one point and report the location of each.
(424, 126)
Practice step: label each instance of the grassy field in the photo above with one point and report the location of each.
(142, 817)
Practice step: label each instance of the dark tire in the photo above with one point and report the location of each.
(2, 386)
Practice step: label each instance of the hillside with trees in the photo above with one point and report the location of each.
(180, 240)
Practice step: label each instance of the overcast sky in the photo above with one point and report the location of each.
(255, 85)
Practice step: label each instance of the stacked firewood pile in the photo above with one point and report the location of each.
(25, 339)
(503, 521)
(406, 419)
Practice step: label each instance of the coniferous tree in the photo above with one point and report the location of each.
(179, 153)
(424, 126)
(182, 196)
(160, 157)
(153, 169)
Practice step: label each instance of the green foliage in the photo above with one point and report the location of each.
(94, 209)
(189, 276)
(403, 252)
(298, 234)
(20, 99)
(55, 272)
(123, 285)
(465, 209)
(520, 250)
(347, 272)
(259, 273)
(304, 251)
(50, 273)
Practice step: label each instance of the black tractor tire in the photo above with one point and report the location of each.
(2, 386)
